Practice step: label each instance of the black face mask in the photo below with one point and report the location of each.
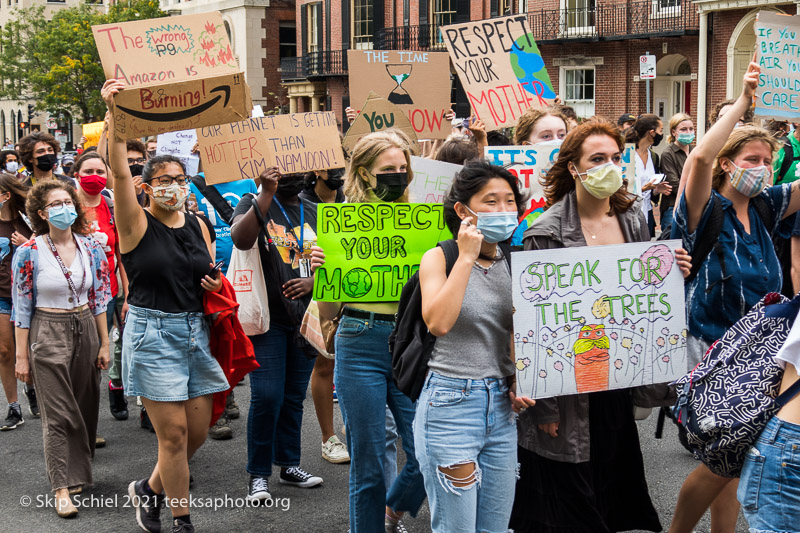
(657, 139)
(335, 179)
(151, 153)
(390, 185)
(136, 170)
(46, 162)
(290, 187)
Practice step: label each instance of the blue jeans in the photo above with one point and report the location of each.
(467, 421)
(390, 464)
(769, 488)
(277, 390)
(667, 217)
(363, 377)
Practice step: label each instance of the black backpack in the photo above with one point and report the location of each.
(410, 342)
(220, 204)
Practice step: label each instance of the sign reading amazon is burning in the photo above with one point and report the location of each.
(179, 73)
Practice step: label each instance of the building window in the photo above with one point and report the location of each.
(523, 6)
(314, 38)
(504, 7)
(362, 24)
(443, 13)
(577, 87)
(577, 17)
(666, 7)
(287, 36)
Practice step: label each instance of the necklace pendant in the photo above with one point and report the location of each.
(594, 236)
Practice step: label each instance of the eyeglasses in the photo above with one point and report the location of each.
(59, 203)
(167, 180)
(137, 161)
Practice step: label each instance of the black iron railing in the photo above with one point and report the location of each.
(634, 20)
(314, 65)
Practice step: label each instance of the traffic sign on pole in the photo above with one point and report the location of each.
(647, 67)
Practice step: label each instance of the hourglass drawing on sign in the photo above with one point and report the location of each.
(399, 73)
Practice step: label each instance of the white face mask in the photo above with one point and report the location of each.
(12, 166)
(171, 197)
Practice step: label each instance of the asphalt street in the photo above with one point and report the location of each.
(219, 472)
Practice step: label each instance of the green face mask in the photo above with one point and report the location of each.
(686, 138)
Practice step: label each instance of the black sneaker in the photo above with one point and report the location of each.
(258, 490)
(32, 403)
(117, 402)
(144, 420)
(299, 478)
(179, 526)
(13, 420)
(148, 506)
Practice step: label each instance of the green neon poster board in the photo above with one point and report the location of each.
(372, 249)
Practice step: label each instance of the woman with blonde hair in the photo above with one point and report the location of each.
(680, 137)
(380, 171)
(540, 125)
(730, 173)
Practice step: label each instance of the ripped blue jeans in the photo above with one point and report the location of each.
(465, 439)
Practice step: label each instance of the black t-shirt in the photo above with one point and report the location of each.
(166, 267)
(311, 195)
(7, 228)
(280, 259)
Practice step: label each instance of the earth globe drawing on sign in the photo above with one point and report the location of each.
(356, 283)
(528, 66)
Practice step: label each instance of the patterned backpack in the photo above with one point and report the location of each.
(729, 397)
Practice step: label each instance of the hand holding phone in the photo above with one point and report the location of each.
(216, 268)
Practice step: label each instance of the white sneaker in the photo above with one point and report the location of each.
(334, 451)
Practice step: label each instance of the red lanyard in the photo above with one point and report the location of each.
(65, 270)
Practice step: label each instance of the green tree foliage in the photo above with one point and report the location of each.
(55, 62)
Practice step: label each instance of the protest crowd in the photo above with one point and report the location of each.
(337, 271)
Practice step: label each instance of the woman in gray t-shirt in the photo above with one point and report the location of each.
(464, 429)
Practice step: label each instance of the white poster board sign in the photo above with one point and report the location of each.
(431, 180)
(180, 144)
(609, 317)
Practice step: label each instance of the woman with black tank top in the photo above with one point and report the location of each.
(166, 357)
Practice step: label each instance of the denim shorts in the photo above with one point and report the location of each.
(769, 488)
(166, 356)
(5, 306)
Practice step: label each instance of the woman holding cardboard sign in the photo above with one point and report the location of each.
(581, 464)
(730, 171)
(380, 170)
(166, 356)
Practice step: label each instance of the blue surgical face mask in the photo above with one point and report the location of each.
(496, 226)
(62, 217)
(686, 138)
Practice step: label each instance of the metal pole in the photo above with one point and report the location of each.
(647, 91)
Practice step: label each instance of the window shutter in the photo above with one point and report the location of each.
(318, 7)
(378, 16)
(462, 10)
(494, 8)
(304, 30)
(327, 24)
(346, 32)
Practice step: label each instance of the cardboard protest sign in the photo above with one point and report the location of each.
(601, 318)
(416, 82)
(179, 73)
(778, 56)
(500, 67)
(431, 180)
(378, 114)
(92, 132)
(298, 142)
(530, 164)
(372, 249)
